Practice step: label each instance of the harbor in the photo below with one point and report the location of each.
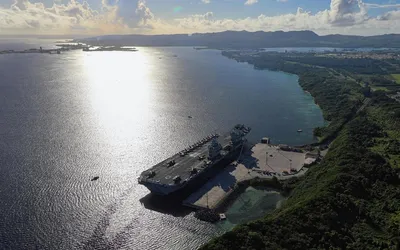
(110, 208)
(263, 161)
(210, 174)
(189, 168)
(34, 50)
(63, 47)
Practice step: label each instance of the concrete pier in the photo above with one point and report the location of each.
(262, 161)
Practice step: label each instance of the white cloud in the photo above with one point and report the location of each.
(342, 12)
(73, 17)
(251, 2)
(374, 5)
(343, 16)
(206, 1)
(144, 13)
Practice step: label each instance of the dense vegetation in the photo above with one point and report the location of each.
(351, 200)
(289, 62)
(245, 39)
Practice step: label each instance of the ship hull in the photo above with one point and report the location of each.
(185, 189)
(191, 168)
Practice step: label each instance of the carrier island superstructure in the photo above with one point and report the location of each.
(196, 163)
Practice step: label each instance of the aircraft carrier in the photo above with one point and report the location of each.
(195, 163)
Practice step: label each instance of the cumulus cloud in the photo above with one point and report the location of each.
(374, 5)
(24, 16)
(144, 13)
(342, 16)
(251, 2)
(391, 15)
(342, 12)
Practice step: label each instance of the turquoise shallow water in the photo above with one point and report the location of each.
(250, 205)
(66, 118)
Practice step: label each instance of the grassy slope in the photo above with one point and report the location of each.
(338, 98)
(352, 199)
(386, 113)
(396, 77)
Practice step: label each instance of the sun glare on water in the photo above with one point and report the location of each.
(120, 90)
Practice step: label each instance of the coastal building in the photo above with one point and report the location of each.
(265, 140)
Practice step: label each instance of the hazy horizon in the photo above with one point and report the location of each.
(80, 36)
(118, 17)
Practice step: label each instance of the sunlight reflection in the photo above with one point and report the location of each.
(120, 90)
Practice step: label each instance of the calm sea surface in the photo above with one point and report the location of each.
(66, 118)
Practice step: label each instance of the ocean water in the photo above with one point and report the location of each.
(66, 118)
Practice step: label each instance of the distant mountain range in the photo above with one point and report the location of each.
(244, 39)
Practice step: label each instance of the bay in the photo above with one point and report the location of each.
(66, 118)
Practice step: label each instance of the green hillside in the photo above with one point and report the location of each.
(351, 200)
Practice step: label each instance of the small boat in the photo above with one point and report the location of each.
(299, 130)
(95, 178)
(189, 116)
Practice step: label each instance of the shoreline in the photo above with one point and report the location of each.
(280, 62)
(263, 164)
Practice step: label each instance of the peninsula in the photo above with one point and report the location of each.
(351, 199)
(245, 39)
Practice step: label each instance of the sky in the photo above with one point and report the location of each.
(101, 17)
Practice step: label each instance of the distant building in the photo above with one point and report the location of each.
(265, 140)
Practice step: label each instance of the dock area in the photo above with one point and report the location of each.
(263, 160)
(32, 51)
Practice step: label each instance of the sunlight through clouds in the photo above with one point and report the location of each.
(24, 16)
(76, 17)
